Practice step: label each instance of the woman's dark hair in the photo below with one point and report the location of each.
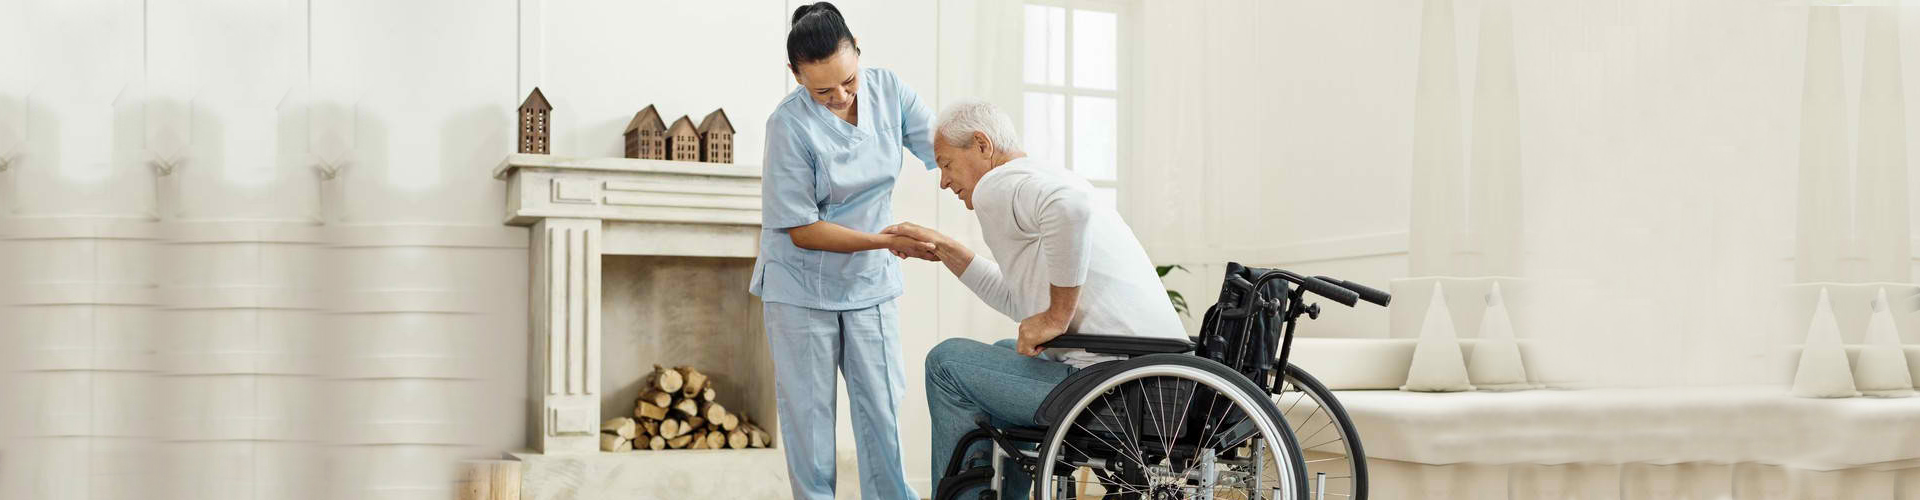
(818, 30)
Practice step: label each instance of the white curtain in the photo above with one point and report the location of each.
(1853, 208)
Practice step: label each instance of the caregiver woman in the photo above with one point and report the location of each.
(827, 278)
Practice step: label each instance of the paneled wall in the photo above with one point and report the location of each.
(1275, 134)
(318, 297)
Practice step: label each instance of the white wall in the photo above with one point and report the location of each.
(1275, 134)
(1659, 147)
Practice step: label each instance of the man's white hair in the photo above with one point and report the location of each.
(961, 119)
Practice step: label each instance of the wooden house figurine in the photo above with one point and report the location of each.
(683, 140)
(647, 135)
(716, 138)
(536, 124)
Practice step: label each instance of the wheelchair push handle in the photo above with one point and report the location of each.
(1367, 293)
(1331, 291)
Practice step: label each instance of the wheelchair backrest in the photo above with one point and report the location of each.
(1244, 329)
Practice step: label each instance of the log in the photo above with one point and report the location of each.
(647, 411)
(489, 480)
(701, 441)
(708, 395)
(716, 440)
(679, 442)
(696, 422)
(613, 442)
(622, 426)
(666, 380)
(756, 437)
(696, 382)
(730, 423)
(658, 398)
(713, 411)
(687, 407)
(652, 426)
(476, 481)
(656, 443)
(737, 440)
(672, 428)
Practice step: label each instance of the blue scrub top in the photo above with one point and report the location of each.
(819, 167)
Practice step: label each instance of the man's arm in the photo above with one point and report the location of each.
(980, 274)
(1062, 214)
(1044, 327)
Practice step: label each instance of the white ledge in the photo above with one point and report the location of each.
(1729, 424)
(630, 165)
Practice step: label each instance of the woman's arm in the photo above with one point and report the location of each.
(827, 236)
(916, 123)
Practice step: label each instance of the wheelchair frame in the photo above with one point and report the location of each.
(1255, 316)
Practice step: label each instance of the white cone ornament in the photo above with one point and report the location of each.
(1823, 371)
(1881, 371)
(1496, 364)
(1437, 364)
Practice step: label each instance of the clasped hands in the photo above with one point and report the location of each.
(912, 240)
(907, 239)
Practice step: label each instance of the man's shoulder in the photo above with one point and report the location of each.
(1020, 171)
(1025, 174)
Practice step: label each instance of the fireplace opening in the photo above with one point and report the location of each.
(676, 311)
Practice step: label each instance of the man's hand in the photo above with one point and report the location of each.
(903, 247)
(945, 249)
(1040, 329)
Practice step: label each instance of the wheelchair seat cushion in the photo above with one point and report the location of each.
(1124, 345)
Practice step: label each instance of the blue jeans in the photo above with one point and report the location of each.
(967, 379)
(863, 345)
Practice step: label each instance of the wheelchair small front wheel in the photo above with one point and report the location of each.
(1177, 429)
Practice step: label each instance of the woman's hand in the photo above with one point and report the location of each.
(952, 253)
(827, 236)
(904, 247)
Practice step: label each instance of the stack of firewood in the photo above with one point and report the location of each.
(679, 411)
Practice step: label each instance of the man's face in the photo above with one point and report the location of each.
(962, 167)
(833, 82)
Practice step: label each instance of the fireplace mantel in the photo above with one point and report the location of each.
(652, 207)
(581, 209)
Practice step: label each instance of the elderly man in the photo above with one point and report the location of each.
(1061, 263)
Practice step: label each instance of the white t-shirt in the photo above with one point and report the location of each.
(1043, 229)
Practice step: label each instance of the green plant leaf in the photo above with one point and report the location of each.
(1179, 302)
(1163, 270)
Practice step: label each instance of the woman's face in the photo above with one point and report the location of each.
(833, 82)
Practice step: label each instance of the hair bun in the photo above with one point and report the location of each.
(812, 8)
(817, 33)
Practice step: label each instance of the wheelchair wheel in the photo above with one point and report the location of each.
(1175, 427)
(1330, 446)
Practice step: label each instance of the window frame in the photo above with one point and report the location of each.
(1120, 94)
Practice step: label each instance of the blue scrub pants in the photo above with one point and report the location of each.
(808, 346)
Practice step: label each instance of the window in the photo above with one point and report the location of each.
(1073, 81)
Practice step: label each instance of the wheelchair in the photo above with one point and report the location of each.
(1217, 416)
